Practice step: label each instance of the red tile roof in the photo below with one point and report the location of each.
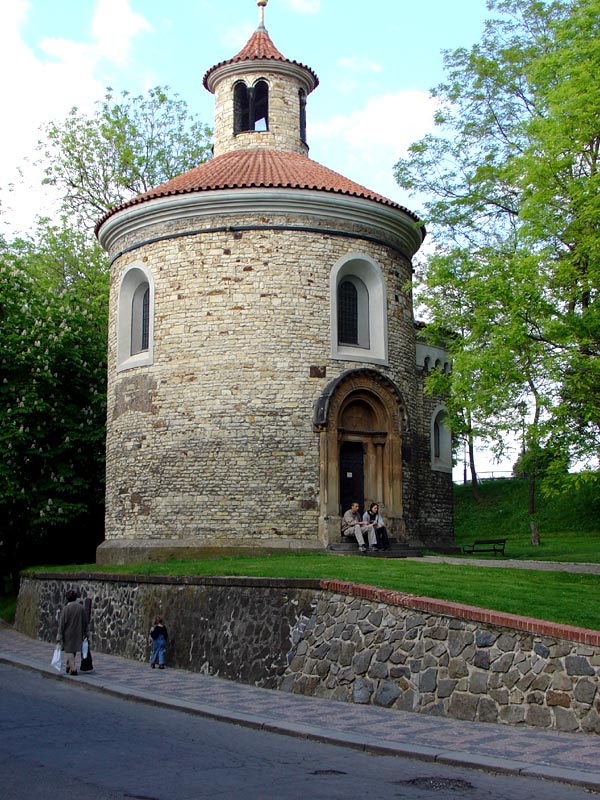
(241, 169)
(259, 46)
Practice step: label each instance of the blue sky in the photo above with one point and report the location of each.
(376, 64)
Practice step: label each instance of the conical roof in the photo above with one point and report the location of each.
(260, 167)
(242, 169)
(259, 47)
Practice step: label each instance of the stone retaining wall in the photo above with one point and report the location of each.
(236, 628)
(346, 642)
(418, 654)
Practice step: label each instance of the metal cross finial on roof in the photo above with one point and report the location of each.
(261, 13)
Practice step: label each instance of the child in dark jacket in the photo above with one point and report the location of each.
(159, 636)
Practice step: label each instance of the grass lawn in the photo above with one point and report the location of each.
(569, 528)
(552, 596)
(569, 525)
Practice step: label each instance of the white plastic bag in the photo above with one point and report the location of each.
(85, 648)
(56, 659)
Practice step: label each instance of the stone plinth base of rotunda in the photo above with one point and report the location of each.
(134, 551)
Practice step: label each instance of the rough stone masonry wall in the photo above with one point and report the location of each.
(436, 504)
(237, 628)
(409, 653)
(284, 115)
(214, 442)
(346, 642)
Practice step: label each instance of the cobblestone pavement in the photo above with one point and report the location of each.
(571, 758)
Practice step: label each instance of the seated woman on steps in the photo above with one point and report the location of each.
(374, 518)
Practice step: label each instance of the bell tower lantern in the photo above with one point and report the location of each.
(260, 97)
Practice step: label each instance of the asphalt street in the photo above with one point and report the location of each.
(366, 733)
(59, 739)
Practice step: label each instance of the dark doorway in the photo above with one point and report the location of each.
(352, 475)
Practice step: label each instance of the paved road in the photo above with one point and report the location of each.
(570, 758)
(58, 739)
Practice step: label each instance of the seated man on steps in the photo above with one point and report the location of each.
(352, 525)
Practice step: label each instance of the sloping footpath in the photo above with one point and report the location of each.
(585, 568)
(566, 757)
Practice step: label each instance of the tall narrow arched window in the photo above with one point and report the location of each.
(441, 441)
(353, 312)
(135, 320)
(140, 319)
(347, 313)
(302, 102)
(260, 106)
(241, 107)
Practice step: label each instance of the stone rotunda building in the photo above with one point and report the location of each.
(265, 367)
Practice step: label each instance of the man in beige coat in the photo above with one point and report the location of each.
(353, 525)
(72, 630)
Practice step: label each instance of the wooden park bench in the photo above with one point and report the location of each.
(495, 546)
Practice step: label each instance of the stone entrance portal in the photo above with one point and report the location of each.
(361, 419)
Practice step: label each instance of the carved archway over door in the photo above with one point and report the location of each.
(361, 410)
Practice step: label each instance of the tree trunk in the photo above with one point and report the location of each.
(474, 479)
(535, 535)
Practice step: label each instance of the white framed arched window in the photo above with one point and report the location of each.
(135, 318)
(358, 310)
(441, 441)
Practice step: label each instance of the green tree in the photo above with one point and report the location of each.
(53, 323)
(559, 179)
(512, 203)
(129, 145)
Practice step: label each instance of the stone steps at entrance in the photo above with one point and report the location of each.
(397, 550)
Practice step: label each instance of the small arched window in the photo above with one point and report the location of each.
(441, 441)
(250, 107)
(241, 107)
(302, 103)
(260, 107)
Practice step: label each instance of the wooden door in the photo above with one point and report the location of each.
(352, 475)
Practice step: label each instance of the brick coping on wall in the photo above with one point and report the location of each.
(570, 633)
(431, 605)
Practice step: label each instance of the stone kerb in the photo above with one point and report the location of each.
(397, 650)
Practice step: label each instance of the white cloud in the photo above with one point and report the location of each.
(45, 88)
(388, 121)
(358, 64)
(305, 6)
(237, 36)
(114, 27)
(365, 144)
